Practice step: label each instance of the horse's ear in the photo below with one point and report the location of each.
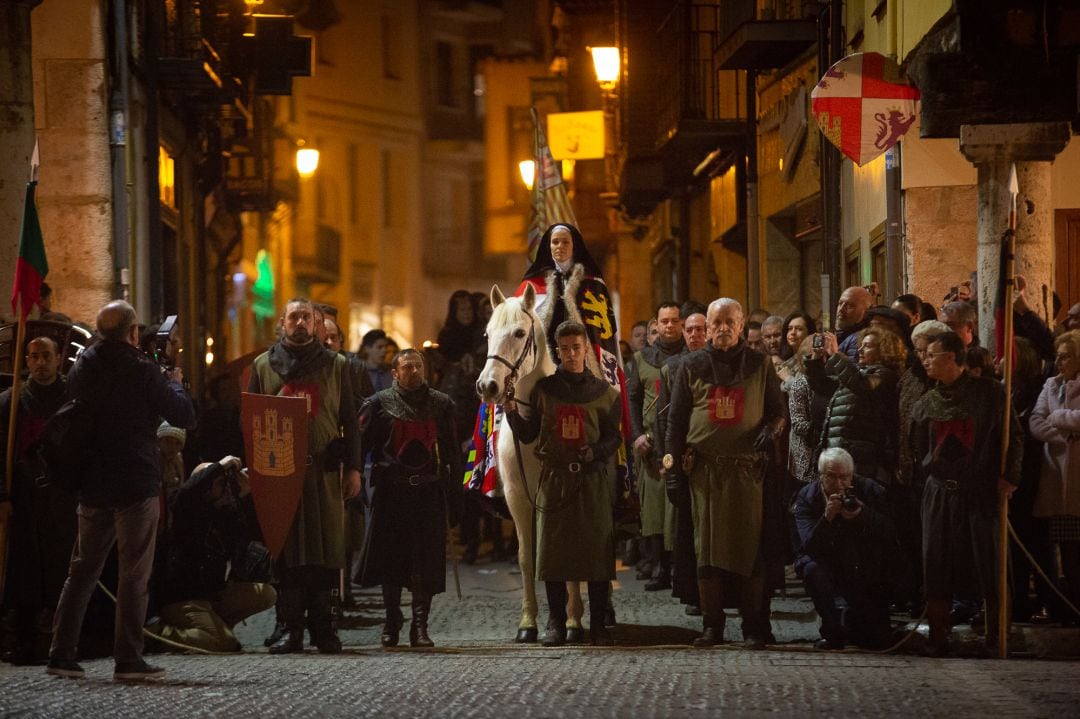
(497, 297)
(529, 298)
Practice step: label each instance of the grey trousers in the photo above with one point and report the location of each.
(134, 530)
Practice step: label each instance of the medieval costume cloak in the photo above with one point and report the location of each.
(572, 412)
(415, 464)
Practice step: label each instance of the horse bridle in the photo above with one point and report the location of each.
(530, 347)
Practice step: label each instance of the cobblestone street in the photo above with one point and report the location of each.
(476, 671)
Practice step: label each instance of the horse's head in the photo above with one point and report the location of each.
(516, 344)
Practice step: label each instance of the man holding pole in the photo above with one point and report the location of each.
(310, 565)
(956, 433)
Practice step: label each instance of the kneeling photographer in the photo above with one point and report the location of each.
(217, 570)
(844, 550)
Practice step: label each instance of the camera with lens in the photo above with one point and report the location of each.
(849, 501)
(161, 342)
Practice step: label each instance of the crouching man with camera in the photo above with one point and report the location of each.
(218, 570)
(844, 550)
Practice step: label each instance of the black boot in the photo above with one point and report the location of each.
(712, 609)
(391, 594)
(421, 607)
(279, 626)
(555, 633)
(290, 611)
(598, 604)
(322, 614)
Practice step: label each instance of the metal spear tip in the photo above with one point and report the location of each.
(1014, 186)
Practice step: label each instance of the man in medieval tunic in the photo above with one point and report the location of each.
(408, 430)
(43, 526)
(725, 405)
(642, 391)
(684, 583)
(574, 420)
(956, 442)
(309, 567)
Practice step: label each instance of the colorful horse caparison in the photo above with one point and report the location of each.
(518, 357)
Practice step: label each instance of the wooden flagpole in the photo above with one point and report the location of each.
(1007, 371)
(9, 464)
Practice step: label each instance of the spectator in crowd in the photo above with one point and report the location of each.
(726, 406)
(118, 499)
(373, 351)
(845, 553)
(956, 431)
(807, 410)
(772, 338)
(753, 337)
(457, 338)
(979, 362)
(638, 335)
(862, 415)
(1028, 324)
(1072, 318)
(333, 334)
(416, 470)
(651, 331)
(171, 443)
(906, 496)
(797, 327)
(910, 305)
(962, 319)
(893, 321)
(851, 319)
(217, 571)
(642, 391)
(575, 424)
(42, 516)
(310, 563)
(1056, 421)
(1028, 380)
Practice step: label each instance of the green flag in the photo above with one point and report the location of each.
(31, 267)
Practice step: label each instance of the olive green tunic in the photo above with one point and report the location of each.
(317, 536)
(654, 504)
(721, 406)
(575, 540)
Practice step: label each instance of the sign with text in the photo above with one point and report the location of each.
(576, 135)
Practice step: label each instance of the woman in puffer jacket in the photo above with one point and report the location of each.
(863, 414)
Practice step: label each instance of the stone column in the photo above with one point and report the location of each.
(16, 134)
(993, 149)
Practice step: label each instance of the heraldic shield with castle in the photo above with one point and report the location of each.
(276, 445)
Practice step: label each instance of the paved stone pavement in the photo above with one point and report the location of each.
(475, 671)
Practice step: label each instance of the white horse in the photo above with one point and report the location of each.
(518, 358)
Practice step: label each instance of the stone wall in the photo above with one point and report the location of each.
(941, 238)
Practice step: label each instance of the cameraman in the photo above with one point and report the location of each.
(217, 570)
(843, 553)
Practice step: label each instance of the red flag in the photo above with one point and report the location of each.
(31, 267)
(276, 438)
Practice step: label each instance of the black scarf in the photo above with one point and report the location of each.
(295, 361)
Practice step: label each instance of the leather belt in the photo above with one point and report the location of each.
(415, 480)
(950, 485)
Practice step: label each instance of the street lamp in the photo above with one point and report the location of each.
(307, 159)
(606, 63)
(527, 168)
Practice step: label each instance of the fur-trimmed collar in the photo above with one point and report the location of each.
(546, 310)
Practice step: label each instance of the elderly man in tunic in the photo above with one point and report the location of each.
(726, 406)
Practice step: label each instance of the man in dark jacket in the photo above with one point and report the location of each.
(845, 546)
(217, 570)
(408, 430)
(43, 523)
(118, 498)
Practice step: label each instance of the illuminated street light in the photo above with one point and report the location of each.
(527, 168)
(606, 62)
(307, 160)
